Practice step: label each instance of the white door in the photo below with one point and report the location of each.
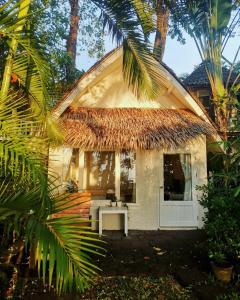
(177, 206)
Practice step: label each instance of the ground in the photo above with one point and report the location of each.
(149, 265)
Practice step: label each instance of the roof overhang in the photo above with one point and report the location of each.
(132, 128)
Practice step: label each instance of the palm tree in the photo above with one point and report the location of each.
(28, 201)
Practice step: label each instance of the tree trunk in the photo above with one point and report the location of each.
(72, 37)
(162, 13)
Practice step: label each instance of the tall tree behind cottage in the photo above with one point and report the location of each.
(72, 38)
(162, 19)
(161, 8)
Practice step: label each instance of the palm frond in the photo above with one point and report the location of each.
(33, 76)
(22, 143)
(220, 15)
(144, 13)
(31, 70)
(28, 63)
(63, 245)
(140, 69)
(129, 22)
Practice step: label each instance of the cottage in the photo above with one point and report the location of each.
(151, 155)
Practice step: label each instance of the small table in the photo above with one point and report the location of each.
(113, 210)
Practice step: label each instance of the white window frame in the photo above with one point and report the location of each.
(82, 172)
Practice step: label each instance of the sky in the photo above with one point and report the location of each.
(180, 58)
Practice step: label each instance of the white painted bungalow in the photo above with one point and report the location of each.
(150, 154)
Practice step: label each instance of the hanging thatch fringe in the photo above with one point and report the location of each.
(132, 128)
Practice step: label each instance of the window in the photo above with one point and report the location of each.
(100, 173)
(177, 177)
(109, 174)
(128, 176)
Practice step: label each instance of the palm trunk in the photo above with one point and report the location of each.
(162, 13)
(72, 37)
(23, 11)
(219, 92)
(222, 117)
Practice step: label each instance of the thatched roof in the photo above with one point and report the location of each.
(131, 128)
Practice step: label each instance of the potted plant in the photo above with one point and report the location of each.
(119, 203)
(114, 201)
(110, 195)
(221, 262)
(71, 186)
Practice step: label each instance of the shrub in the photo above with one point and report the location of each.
(221, 199)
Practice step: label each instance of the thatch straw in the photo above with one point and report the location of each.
(131, 128)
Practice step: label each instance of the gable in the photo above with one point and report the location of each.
(103, 87)
(109, 90)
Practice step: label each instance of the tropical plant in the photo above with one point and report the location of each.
(221, 200)
(211, 24)
(62, 244)
(29, 205)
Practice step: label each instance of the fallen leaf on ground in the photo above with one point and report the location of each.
(161, 253)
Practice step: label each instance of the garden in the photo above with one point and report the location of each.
(46, 253)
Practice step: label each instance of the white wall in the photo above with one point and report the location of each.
(145, 213)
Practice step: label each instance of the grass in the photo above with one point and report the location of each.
(134, 288)
(113, 288)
